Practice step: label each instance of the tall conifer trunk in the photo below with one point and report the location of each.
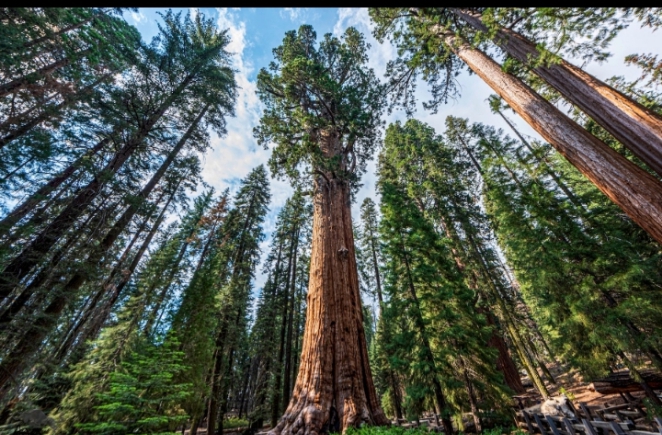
(636, 127)
(634, 190)
(290, 318)
(42, 193)
(505, 363)
(334, 380)
(32, 338)
(33, 253)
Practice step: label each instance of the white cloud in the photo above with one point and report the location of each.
(294, 14)
(194, 13)
(138, 17)
(233, 156)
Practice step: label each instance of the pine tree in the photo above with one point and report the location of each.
(194, 92)
(197, 55)
(585, 286)
(418, 180)
(196, 317)
(243, 233)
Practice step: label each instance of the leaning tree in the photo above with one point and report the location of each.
(322, 112)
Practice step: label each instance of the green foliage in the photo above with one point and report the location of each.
(232, 423)
(316, 91)
(141, 396)
(582, 269)
(437, 329)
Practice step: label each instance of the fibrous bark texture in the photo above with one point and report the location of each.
(334, 389)
(636, 127)
(634, 190)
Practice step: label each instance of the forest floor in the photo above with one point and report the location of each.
(568, 382)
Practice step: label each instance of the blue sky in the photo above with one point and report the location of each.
(256, 31)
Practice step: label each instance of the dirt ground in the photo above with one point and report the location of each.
(577, 389)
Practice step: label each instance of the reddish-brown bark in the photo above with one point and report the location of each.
(636, 127)
(634, 190)
(334, 376)
(505, 363)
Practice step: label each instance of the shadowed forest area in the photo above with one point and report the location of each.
(496, 283)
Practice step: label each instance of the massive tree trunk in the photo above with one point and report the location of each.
(634, 190)
(636, 127)
(334, 388)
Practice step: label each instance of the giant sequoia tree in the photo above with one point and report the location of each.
(431, 41)
(322, 111)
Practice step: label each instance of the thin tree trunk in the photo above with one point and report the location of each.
(106, 287)
(244, 390)
(218, 396)
(225, 387)
(378, 280)
(134, 206)
(334, 376)
(32, 255)
(195, 423)
(290, 319)
(473, 404)
(543, 366)
(16, 169)
(395, 395)
(47, 113)
(44, 274)
(297, 330)
(505, 363)
(510, 325)
(60, 32)
(276, 401)
(440, 399)
(546, 165)
(19, 83)
(167, 283)
(635, 191)
(32, 339)
(115, 290)
(81, 277)
(46, 277)
(636, 376)
(67, 347)
(30, 203)
(636, 127)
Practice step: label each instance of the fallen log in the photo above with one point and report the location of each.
(621, 382)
